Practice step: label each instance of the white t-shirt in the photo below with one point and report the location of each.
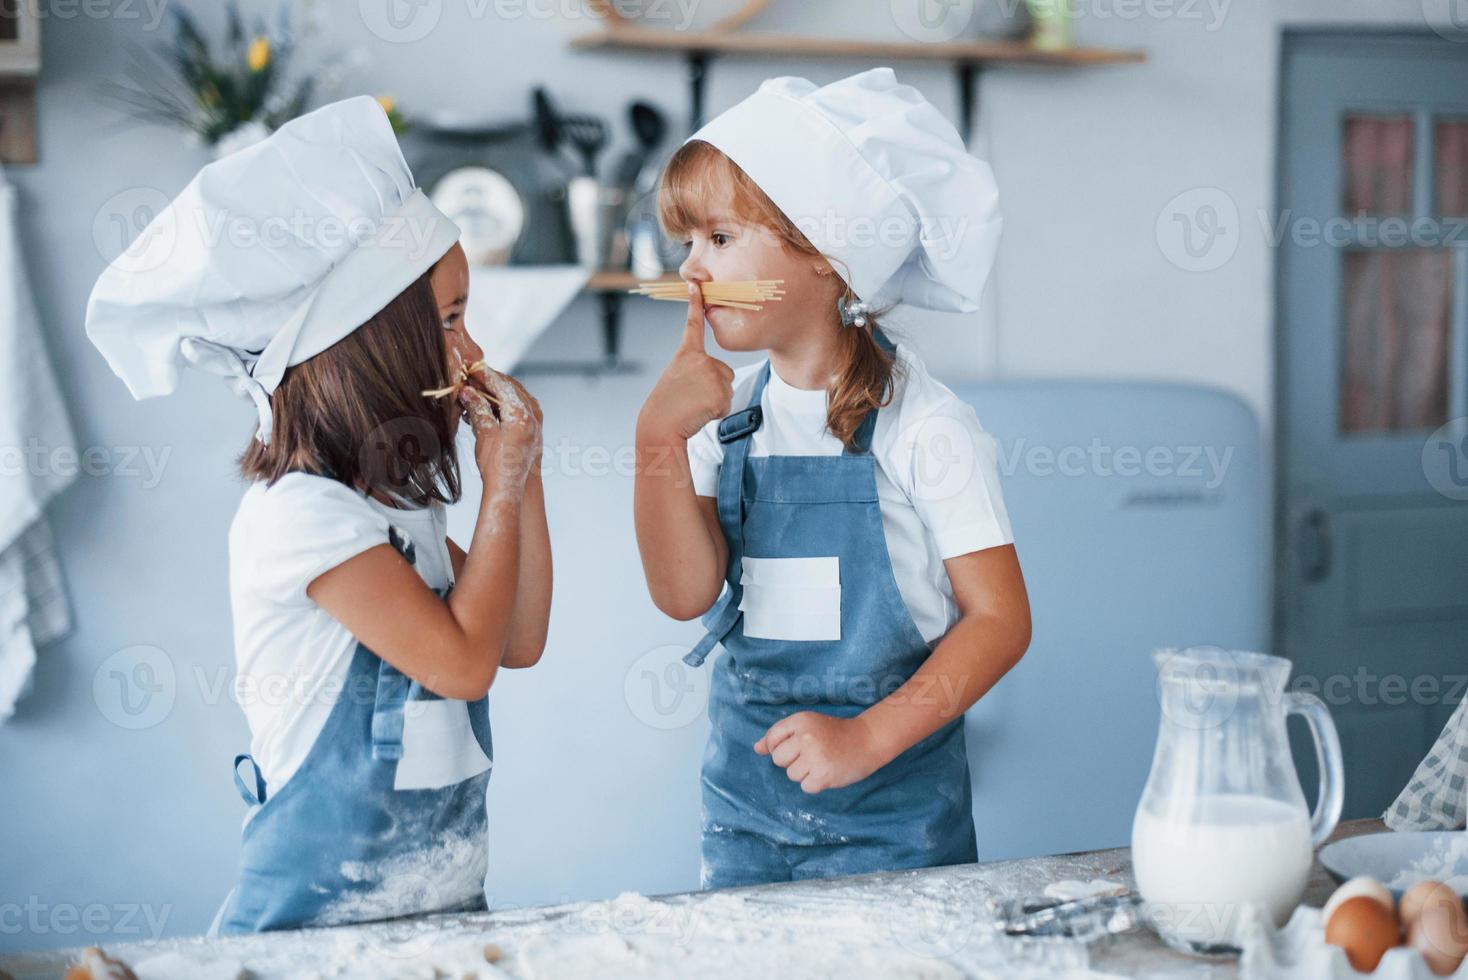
(937, 475)
(292, 657)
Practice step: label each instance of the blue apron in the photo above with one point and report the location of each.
(815, 622)
(351, 839)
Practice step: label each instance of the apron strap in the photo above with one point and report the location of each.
(731, 473)
(734, 433)
(253, 797)
(726, 613)
(393, 689)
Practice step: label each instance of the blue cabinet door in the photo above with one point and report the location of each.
(1372, 524)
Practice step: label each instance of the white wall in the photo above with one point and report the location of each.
(587, 799)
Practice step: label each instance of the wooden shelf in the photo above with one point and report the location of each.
(967, 58)
(619, 281)
(782, 45)
(20, 64)
(611, 288)
(606, 280)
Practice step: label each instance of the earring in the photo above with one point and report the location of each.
(853, 313)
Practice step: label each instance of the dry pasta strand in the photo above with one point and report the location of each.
(740, 295)
(465, 378)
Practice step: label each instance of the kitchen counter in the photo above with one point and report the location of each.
(928, 924)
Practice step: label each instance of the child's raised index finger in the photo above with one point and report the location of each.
(693, 329)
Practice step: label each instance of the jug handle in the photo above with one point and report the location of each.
(1327, 759)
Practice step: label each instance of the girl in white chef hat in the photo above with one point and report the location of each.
(842, 532)
(311, 272)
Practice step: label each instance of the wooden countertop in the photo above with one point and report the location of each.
(931, 923)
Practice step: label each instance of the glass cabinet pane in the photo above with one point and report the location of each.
(1395, 338)
(1450, 167)
(1377, 157)
(9, 20)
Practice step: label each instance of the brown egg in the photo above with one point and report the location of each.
(1365, 929)
(1355, 888)
(1440, 934)
(1422, 895)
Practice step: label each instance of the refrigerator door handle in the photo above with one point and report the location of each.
(1313, 545)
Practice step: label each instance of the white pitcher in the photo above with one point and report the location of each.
(1222, 831)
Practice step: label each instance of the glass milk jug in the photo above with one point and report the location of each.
(1222, 831)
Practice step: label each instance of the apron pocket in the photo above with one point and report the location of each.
(797, 572)
(439, 747)
(791, 598)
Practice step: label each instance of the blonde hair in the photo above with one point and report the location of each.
(696, 175)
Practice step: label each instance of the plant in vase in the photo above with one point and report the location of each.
(1052, 23)
(230, 94)
(395, 116)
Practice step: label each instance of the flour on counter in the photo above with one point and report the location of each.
(935, 924)
(176, 966)
(1071, 890)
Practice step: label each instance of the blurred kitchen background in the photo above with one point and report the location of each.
(1225, 354)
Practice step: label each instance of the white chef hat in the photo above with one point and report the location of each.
(877, 179)
(269, 256)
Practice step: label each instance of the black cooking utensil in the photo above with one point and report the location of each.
(649, 125)
(588, 134)
(547, 120)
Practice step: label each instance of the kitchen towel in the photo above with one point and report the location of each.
(1436, 798)
(37, 460)
(511, 306)
(33, 609)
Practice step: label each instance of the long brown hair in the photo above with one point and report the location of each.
(356, 412)
(697, 174)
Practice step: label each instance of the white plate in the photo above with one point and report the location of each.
(487, 209)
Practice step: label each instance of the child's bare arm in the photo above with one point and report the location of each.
(824, 752)
(990, 637)
(531, 617)
(683, 549)
(453, 648)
